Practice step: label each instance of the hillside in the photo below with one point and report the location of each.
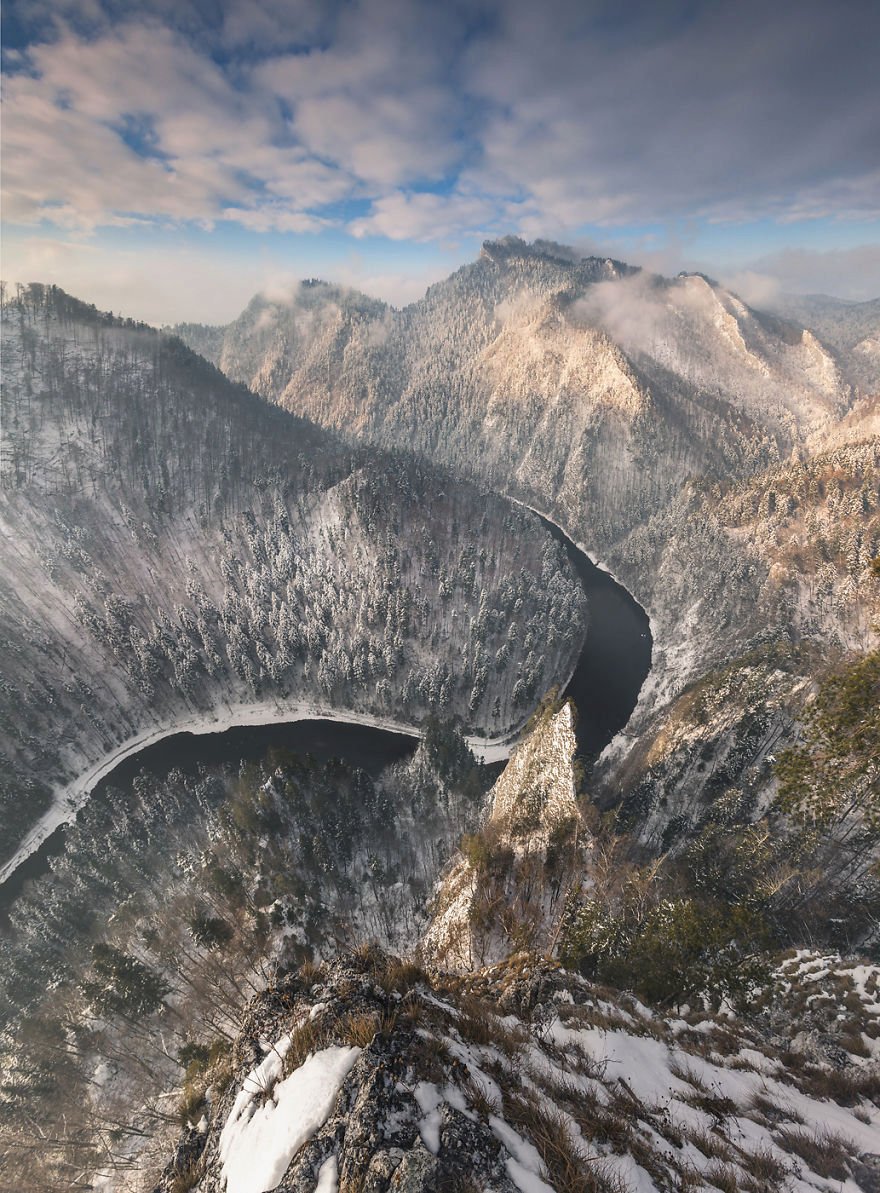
(177, 550)
(567, 1012)
(678, 1046)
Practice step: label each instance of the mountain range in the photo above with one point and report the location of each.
(654, 969)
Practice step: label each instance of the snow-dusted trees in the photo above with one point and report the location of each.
(182, 544)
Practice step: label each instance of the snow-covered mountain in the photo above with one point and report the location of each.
(722, 461)
(852, 329)
(609, 985)
(580, 381)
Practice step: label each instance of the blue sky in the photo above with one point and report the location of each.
(167, 159)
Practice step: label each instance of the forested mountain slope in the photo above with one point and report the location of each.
(583, 382)
(175, 547)
(722, 461)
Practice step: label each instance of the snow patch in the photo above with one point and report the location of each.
(328, 1177)
(429, 1100)
(259, 1141)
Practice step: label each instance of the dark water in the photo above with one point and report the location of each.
(616, 657)
(359, 745)
(605, 686)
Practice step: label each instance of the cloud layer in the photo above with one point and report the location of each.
(421, 121)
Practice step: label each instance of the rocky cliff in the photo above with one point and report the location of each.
(523, 1078)
(508, 888)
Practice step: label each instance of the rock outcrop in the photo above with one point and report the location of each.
(507, 889)
(523, 1078)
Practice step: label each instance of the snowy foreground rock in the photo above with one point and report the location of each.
(373, 1074)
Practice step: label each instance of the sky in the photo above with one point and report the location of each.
(168, 159)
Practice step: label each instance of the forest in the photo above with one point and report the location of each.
(181, 547)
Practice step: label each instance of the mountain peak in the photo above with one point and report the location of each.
(509, 250)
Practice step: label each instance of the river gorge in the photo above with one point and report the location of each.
(604, 685)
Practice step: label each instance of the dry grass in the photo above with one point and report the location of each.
(854, 1043)
(770, 1111)
(309, 1037)
(711, 1144)
(476, 1095)
(824, 1151)
(479, 1024)
(192, 1104)
(588, 1015)
(189, 1176)
(718, 1106)
(724, 1177)
(401, 976)
(432, 1056)
(360, 1028)
(309, 972)
(610, 1126)
(846, 1086)
(575, 1057)
(570, 1168)
(767, 1169)
(683, 1071)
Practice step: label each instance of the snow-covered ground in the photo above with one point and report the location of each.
(271, 1118)
(560, 1078)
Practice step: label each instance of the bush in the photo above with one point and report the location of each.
(676, 951)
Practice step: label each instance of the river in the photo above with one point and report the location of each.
(613, 665)
(616, 657)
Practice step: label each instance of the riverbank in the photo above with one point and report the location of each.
(604, 682)
(71, 798)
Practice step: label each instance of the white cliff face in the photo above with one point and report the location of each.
(537, 790)
(508, 886)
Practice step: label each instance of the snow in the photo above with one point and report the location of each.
(429, 1100)
(634, 1177)
(328, 1177)
(524, 1166)
(525, 1180)
(259, 1141)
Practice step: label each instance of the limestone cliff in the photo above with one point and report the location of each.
(507, 888)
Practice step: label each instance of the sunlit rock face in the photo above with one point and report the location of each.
(584, 382)
(632, 408)
(508, 887)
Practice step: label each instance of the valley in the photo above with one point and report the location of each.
(310, 685)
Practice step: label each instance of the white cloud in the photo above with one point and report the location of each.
(424, 216)
(738, 112)
(540, 119)
(852, 273)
